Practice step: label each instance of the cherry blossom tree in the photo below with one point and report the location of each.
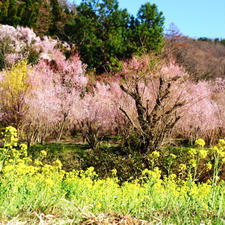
(100, 113)
(57, 87)
(22, 43)
(159, 101)
(149, 101)
(202, 113)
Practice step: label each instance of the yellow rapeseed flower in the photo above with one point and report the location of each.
(114, 172)
(221, 153)
(58, 164)
(192, 152)
(182, 167)
(38, 162)
(209, 166)
(214, 149)
(49, 182)
(145, 171)
(202, 154)
(173, 176)
(173, 156)
(221, 143)
(200, 142)
(193, 163)
(98, 205)
(155, 154)
(43, 153)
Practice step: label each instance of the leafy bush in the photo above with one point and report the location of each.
(14, 86)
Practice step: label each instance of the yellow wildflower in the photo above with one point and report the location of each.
(114, 172)
(155, 154)
(173, 156)
(145, 171)
(192, 152)
(23, 147)
(58, 164)
(221, 143)
(214, 149)
(202, 154)
(49, 182)
(200, 142)
(98, 205)
(173, 176)
(43, 153)
(38, 162)
(223, 160)
(192, 162)
(182, 167)
(209, 166)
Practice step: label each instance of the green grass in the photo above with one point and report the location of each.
(79, 155)
(69, 153)
(110, 155)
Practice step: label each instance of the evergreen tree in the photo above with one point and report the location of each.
(149, 28)
(105, 34)
(23, 12)
(30, 14)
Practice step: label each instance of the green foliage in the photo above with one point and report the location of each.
(45, 17)
(148, 33)
(129, 165)
(23, 13)
(105, 34)
(4, 49)
(56, 12)
(32, 54)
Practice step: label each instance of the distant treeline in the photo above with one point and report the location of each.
(215, 40)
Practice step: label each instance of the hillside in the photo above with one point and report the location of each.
(203, 58)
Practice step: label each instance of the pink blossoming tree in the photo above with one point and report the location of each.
(158, 99)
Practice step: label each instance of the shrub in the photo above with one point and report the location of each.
(14, 86)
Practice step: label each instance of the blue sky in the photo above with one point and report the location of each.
(194, 18)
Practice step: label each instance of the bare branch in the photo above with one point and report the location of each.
(128, 117)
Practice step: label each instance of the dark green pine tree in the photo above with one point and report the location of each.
(23, 12)
(29, 13)
(105, 34)
(99, 30)
(9, 12)
(56, 17)
(148, 32)
(56, 10)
